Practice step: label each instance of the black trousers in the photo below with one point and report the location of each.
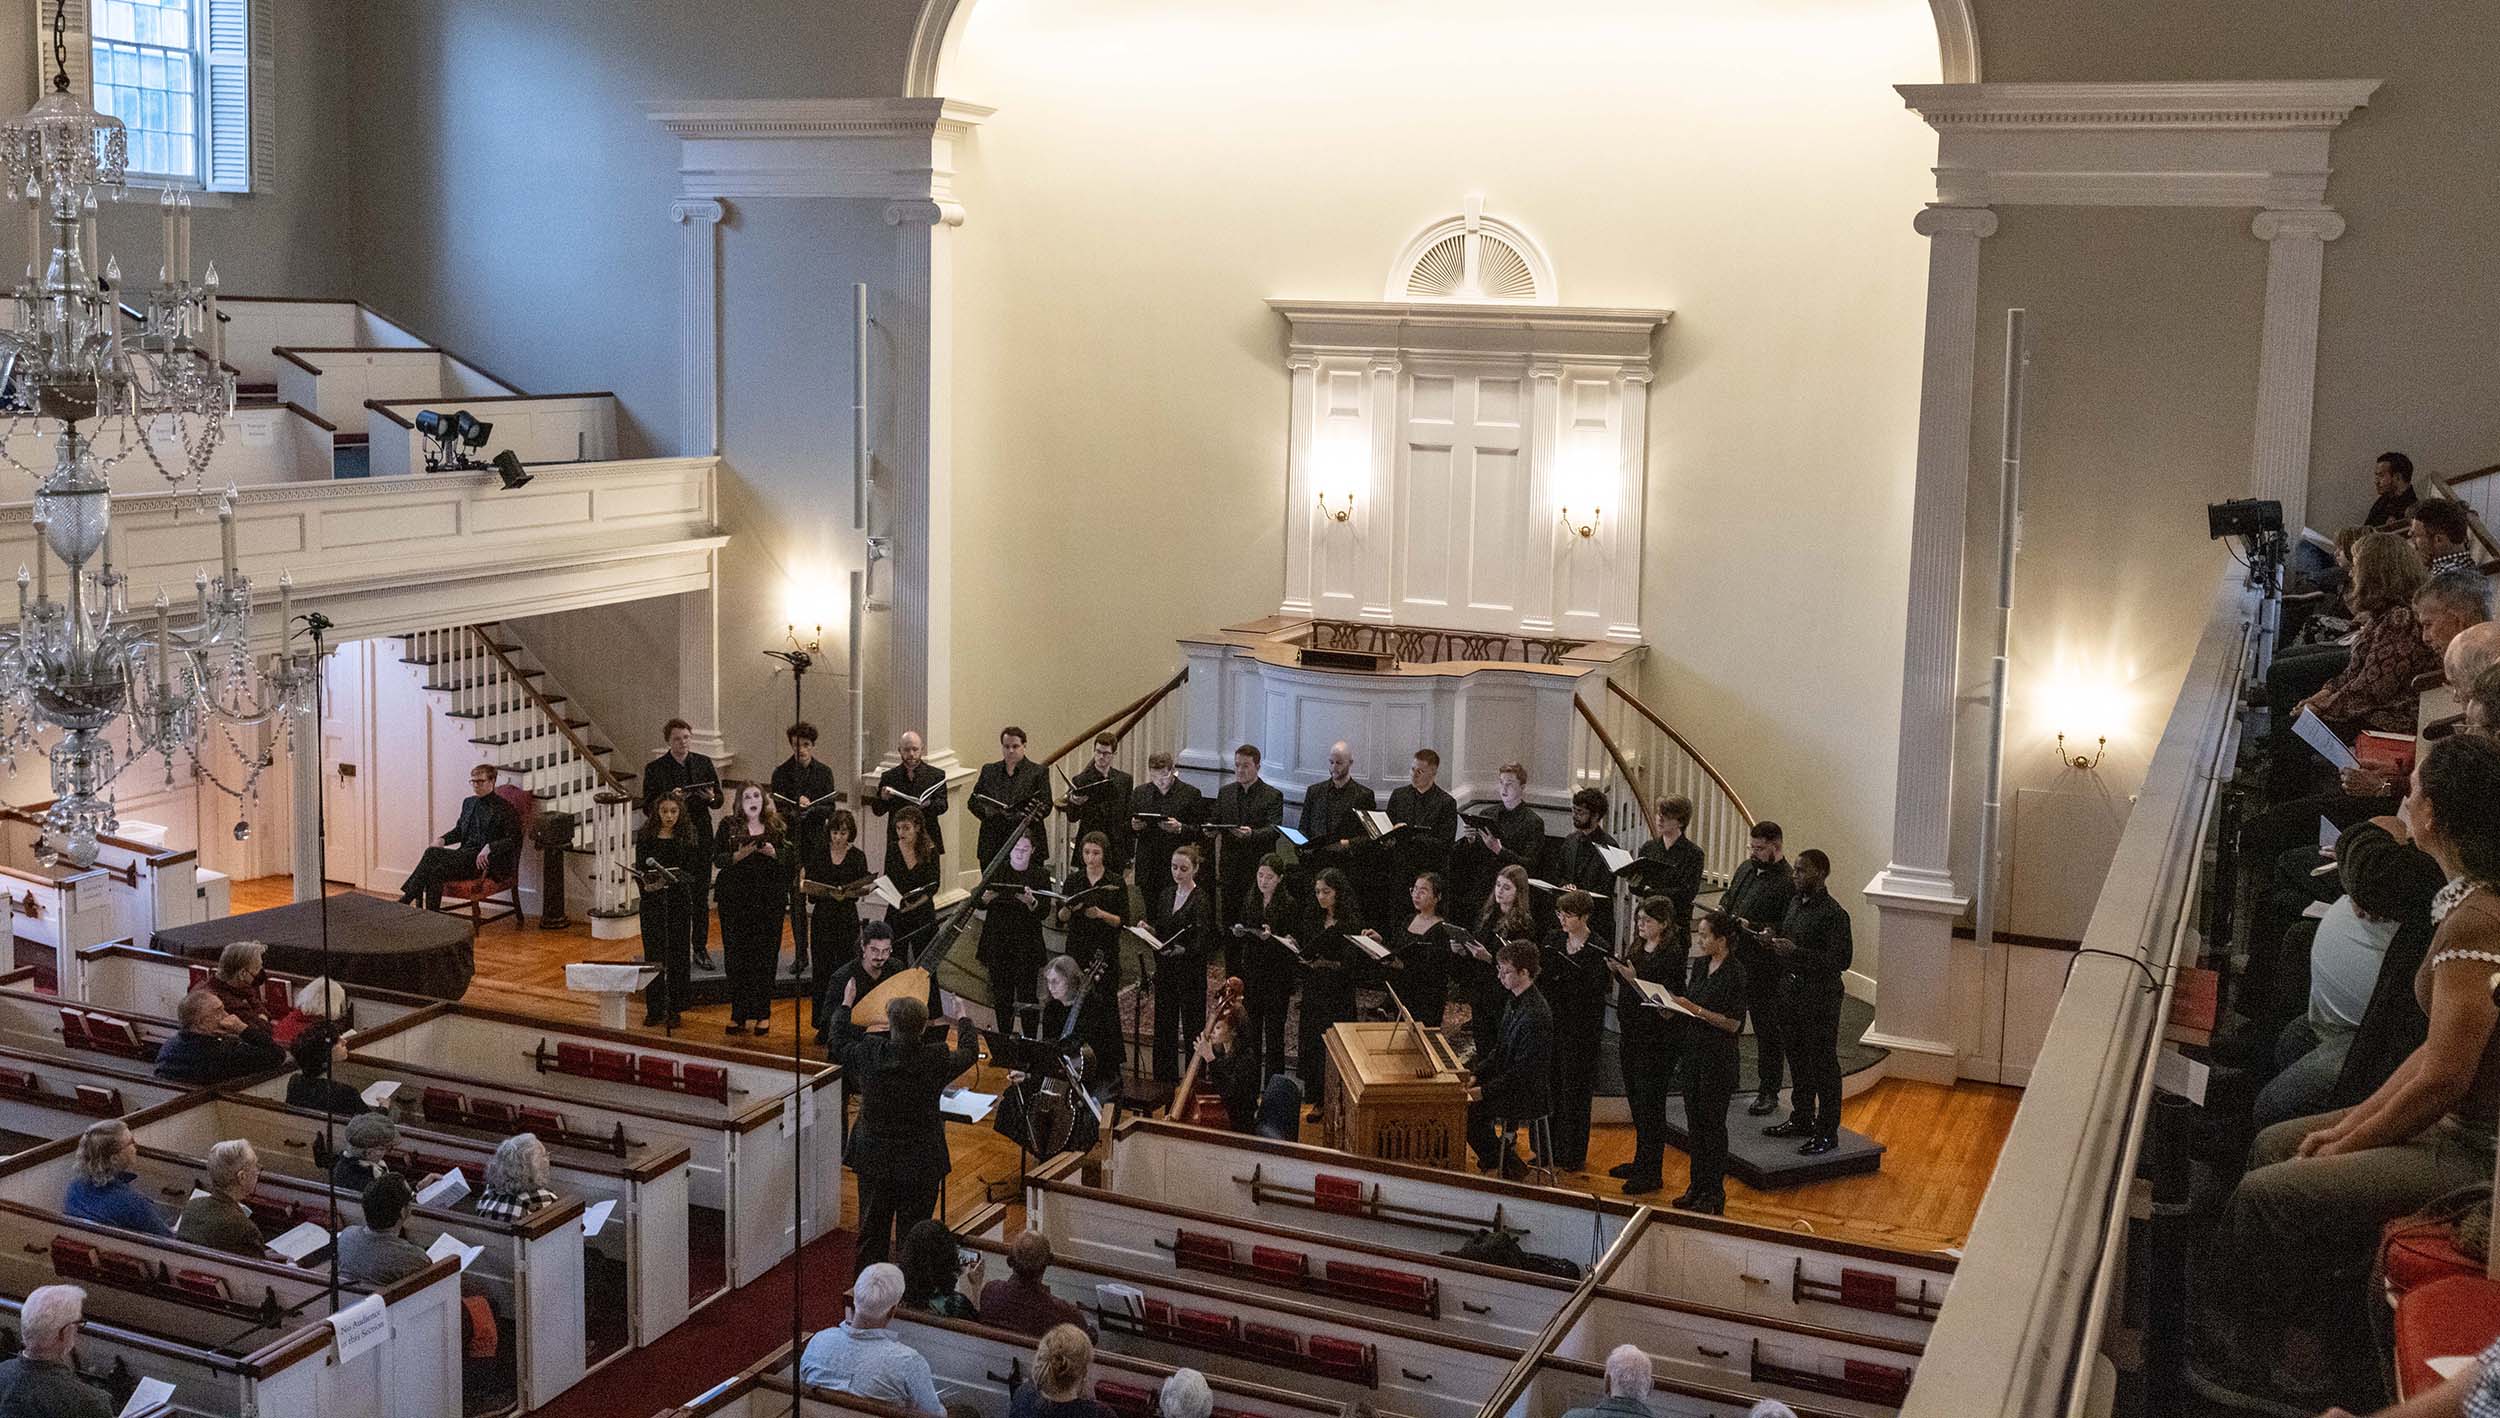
(1267, 1002)
(798, 929)
(1575, 1087)
(750, 949)
(702, 922)
(1649, 1078)
(1180, 1011)
(888, 1210)
(1812, 1022)
(437, 866)
(1327, 998)
(1763, 1007)
(665, 931)
(1709, 1087)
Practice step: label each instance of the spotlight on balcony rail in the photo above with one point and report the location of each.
(507, 465)
(2243, 517)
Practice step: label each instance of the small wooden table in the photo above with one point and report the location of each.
(1396, 1092)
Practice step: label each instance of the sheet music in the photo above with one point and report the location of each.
(1655, 994)
(2314, 732)
(964, 1105)
(1615, 858)
(1378, 822)
(883, 891)
(2327, 835)
(1370, 947)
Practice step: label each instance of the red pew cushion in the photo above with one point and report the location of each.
(2455, 1314)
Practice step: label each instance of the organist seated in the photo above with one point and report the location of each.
(863, 1355)
(516, 1180)
(103, 1190)
(39, 1382)
(213, 1046)
(1020, 1300)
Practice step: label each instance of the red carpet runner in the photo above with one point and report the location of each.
(716, 1341)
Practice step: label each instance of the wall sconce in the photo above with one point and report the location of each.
(1582, 526)
(1339, 466)
(1582, 486)
(1337, 513)
(2077, 761)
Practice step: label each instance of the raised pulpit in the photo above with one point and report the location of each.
(1396, 1092)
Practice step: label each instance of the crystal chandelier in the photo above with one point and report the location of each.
(103, 379)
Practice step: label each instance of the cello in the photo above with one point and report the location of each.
(1226, 1012)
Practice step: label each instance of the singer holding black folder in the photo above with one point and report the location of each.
(1247, 814)
(751, 855)
(1332, 965)
(1258, 954)
(1184, 924)
(999, 795)
(1094, 910)
(1011, 933)
(1098, 801)
(804, 794)
(837, 916)
(913, 869)
(1511, 835)
(1651, 1042)
(911, 782)
(696, 780)
(667, 841)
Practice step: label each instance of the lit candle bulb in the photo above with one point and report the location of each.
(86, 235)
(286, 605)
(182, 236)
(164, 649)
(165, 230)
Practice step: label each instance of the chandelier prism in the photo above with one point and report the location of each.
(103, 374)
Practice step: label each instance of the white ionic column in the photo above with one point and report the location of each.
(1914, 895)
(2287, 355)
(698, 671)
(698, 323)
(915, 464)
(1540, 551)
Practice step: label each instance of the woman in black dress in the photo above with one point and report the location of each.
(751, 890)
(1423, 954)
(1651, 1039)
(1094, 909)
(1715, 994)
(668, 840)
(1332, 965)
(1574, 981)
(913, 868)
(1184, 920)
(1258, 953)
(835, 921)
(1505, 919)
(1011, 934)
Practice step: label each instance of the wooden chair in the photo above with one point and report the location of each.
(476, 899)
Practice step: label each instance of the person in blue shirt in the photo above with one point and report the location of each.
(101, 1191)
(863, 1356)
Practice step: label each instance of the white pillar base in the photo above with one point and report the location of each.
(1915, 910)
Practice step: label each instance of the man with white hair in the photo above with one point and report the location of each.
(862, 1356)
(1185, 1395)
(1629, 1378)
(40, 1380)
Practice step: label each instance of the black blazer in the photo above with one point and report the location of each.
(1518, 1078)
(900, 1137)
(664, 775)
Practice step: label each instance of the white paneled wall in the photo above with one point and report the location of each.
(1433, 453)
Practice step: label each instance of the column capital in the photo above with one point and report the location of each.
(1936, 219)
(1386, 364)
(2302, 223)
(1546, 371)
(924, 212)
(710, 211)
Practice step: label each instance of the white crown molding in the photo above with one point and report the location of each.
(2239, 143)
(1556, 332)
(892, 148)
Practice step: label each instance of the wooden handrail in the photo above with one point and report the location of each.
(564, 727)
(2482, 472)
(2473, 519)
(1119, 721)
(1623, 765)
(1680, 742)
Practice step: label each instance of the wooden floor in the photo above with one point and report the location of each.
(1942, 1142)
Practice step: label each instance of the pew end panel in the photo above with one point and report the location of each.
(1783, 1275)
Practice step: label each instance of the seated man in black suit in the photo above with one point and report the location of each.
(485, 842)
(1514, 1084)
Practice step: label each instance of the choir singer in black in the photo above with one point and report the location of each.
(999, 795)
(1427, 820)
(1579, 862)
(1813, 942)
(694, 778)
(1514, 1083)
(1513, 835)
(1163, 812)
(912, 782)
(1757, 899)
(803, 791)
(1679, 879)
(1328, 824)
(1184, 924)
(1715, 996)
(1098, 801)
(1248, 812)
(1651, 1040)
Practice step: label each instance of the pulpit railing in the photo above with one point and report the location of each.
(1429, 645)
(1623, 749)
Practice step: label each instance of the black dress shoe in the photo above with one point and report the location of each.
(1642, 1186)
(1763, 1105)
(1819, 1146)
(1700, 1205)
(1790, 1128)
(1621, 1171)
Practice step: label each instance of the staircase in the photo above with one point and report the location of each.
(524, 723)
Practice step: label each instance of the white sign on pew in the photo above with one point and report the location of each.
(149, 1394)
(360, 1327)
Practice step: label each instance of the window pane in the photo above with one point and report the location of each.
(112, 20)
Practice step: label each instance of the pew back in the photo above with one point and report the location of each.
(123, 976)
(983, 1366)
(75, 1031)
(1845, 1372)
(1783, 1275)
(45, 1096)
(1554, 1387)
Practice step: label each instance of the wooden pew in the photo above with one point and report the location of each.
(977, 1364)
(531, 1270)
(146, 887)
(1551, 1387)
(1465, 1299)
(1797, 1364)
(76, 1031)
(664, 1276)
(1384, 1203)
(763, 1390)
(123, 976)
(751, 1142)
(45, 1096)
(237, 1336)
(1784, 1275)
(1209, 1324)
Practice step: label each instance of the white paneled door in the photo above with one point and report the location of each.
(1463, 499)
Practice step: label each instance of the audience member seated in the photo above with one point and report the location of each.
(216, 1218)
(516, 1179)
(213, 1046)
(323, 999)
(39, 1382)
(2282, 1279)
(2439, 536)
(318, 1050)
(237, 981)
(2391, 477)
(1019, 1300)
(101, 1191)
(374, 1251)
(2375, 689)
(1186, 1395)
(1629, 1378)
(1061, 1364)
(370, 1138)
(933, 1266)
(484, 842)
(863, 1356)
(2345, 952)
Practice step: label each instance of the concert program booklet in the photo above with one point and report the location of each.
(1655, 995)
(921, 798)
(2314, 732)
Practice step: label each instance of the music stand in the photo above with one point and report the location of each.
(1034, 1059)
(661, 877)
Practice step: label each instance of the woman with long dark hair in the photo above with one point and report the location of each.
(667, 839)
(1331, 968)
(1094, 908)
(913, 868)
(836, 918)
(1423, 954)
(1011, 932)
(1651, 1040)
(751, 890)
(1270, 917)
(1505, 919)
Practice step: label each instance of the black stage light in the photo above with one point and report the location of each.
(507, 465)
(472, 432)
(2243, 517)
